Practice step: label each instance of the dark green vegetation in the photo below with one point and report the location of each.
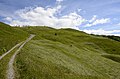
(116, 38)
(65, 54)
(113, 57)
(10, 36)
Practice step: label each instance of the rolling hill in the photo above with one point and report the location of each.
(65, 54)
(9, 36)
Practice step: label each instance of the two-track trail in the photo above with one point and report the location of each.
(10, 71)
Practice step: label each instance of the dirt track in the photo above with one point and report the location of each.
(10, 71)
(1, 57)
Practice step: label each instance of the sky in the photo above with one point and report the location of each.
(91, 16)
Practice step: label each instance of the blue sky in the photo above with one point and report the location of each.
(91, 16)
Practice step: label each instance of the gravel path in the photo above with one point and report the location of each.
(10, 71)
(1, 57)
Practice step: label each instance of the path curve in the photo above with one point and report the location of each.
(10, 71)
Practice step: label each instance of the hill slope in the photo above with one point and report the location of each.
(67, 54)
(9, 36)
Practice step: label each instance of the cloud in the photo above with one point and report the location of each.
(79, 10)
(118, 24)
(40, 16)
(103, 32)
(8, 19)
(94, 21)
(50, 16)
(59, 0)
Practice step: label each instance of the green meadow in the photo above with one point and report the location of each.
(62, 54)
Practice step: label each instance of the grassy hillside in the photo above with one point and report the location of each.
(67, 54)
(116, 38)
(9, 36)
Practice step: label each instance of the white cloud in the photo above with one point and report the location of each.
(103, 32)
(8, 18)
(118, 24)
(79, 10)
(94, 21)
(46, 16)
(39, 16)
(59, 0)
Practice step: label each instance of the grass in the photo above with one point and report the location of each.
(67, 54)
(60, 54)
(50, 61)
(10, 36)
(4, 64)
(116, 38)
(113, 57)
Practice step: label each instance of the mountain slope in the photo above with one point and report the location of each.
(67, 54)
(9, 36)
